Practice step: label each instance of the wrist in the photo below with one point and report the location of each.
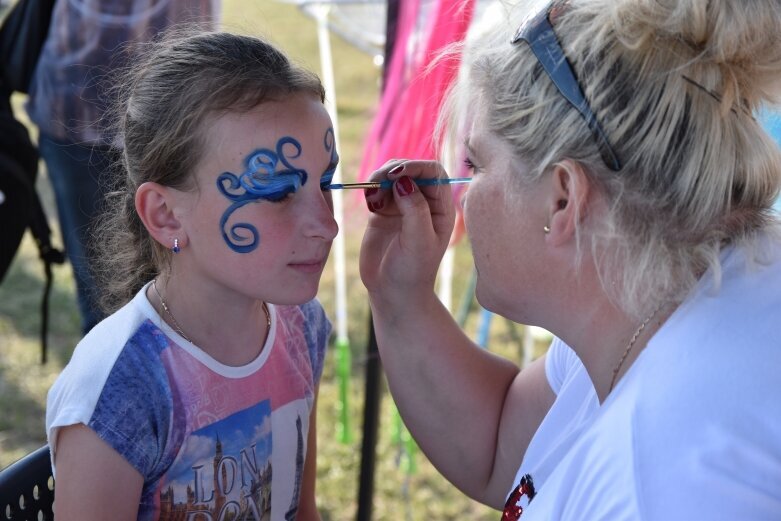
(395, 305)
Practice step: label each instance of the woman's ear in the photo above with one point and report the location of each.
(569, 193)
(155, 206)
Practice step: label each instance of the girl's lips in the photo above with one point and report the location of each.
(313, 266)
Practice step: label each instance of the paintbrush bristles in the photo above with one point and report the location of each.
(348, 186)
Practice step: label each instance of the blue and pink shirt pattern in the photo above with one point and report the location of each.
(212, 442)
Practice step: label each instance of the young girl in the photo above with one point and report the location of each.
(196, 398)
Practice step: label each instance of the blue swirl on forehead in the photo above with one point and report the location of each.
(259, 181)
(329, 142)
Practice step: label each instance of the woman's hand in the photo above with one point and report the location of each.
(408, 231)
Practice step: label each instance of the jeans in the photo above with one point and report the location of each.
(78, 174)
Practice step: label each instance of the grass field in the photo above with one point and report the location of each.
(401, 492)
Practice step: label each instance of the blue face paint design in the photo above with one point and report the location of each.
(262, 181)
(330, 146)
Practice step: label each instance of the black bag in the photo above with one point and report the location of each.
(18, 168)
(21, 39)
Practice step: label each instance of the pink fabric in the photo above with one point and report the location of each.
(414, 90)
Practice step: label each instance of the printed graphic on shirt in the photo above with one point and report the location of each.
(199, 433)
(223, 470)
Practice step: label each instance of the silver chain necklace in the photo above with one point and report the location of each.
(178, 328)
(629, 347)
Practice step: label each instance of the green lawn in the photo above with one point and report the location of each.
(399, 492)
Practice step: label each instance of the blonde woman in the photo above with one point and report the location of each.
(622, 199)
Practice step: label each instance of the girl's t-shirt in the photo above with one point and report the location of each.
(211, 441)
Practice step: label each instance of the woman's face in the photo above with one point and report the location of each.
(260, 223)
(504, 220)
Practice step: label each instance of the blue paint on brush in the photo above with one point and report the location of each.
(387, 183)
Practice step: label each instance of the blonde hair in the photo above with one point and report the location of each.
(674, 84)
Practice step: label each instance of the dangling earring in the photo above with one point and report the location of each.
(176, 248)
(546, 229)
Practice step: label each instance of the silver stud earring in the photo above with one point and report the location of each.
(546, 229)
(176, 248)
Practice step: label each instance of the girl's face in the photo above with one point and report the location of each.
(504, 223)
(260, 222)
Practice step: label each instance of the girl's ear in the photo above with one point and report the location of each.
(569, 193)
(155, 207)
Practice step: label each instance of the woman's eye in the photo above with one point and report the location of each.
(469, 164)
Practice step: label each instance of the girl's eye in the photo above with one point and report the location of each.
(469, 164)
(280, 197)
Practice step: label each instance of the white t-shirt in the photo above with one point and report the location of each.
(692, 431)
(211, 441)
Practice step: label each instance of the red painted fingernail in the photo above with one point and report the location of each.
(396, 169)
(370, 192)
(405, 186)
(373, 207)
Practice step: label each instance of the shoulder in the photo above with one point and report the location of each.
(94, 358)
(725, 332)
(116, 385)
(561, 365)
(705, 398)
(726, 329)
(706, 441)
(692, 432)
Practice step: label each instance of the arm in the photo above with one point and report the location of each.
(307, 505)
(472, 413)
(94, 482)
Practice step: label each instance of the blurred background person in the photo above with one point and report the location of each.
(70, 95)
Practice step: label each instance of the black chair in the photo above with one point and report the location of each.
(27, 488)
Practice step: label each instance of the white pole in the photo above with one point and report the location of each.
(326, 65)
(343, 354)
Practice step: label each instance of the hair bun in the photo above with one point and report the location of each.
(730, 47)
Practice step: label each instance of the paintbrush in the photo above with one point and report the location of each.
(387, 183)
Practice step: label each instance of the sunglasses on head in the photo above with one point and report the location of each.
(537, 31)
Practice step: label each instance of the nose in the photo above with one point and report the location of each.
(322, 223)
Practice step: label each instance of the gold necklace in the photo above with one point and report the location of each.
(178, 328)
(629, 347)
